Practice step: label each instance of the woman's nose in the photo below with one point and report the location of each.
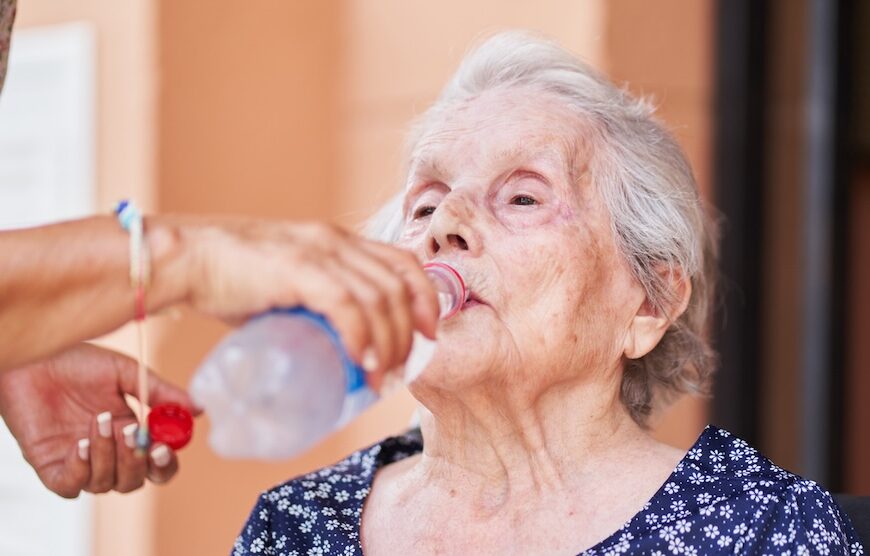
(451, 229)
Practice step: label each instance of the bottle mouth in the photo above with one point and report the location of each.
(455, 282)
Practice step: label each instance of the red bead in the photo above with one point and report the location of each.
(170, 424)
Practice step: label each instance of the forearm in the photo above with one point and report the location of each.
(64, 283)
(69, 282)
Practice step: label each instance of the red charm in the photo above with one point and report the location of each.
(171, 424)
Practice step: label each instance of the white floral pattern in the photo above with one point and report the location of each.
(722, 498)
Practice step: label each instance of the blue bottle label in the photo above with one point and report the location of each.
(354, 373)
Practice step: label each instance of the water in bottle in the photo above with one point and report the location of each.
(283, 381)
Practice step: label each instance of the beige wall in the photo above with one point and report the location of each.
(298, 109)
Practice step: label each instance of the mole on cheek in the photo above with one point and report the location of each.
(590, 262)
(597, 258)
(566, 212)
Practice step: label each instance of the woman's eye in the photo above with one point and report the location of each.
(523, 200)
(423, 212)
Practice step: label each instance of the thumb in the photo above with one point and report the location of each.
(160, 391)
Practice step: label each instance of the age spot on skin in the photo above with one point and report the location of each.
(463, 212)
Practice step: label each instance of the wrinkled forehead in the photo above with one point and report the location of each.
(498, 127)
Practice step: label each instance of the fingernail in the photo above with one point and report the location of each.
(104, 424)
(370, 360)
(130, 435)
(84, 449)
(160, 455)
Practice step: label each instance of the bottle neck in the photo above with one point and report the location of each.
(450, 286)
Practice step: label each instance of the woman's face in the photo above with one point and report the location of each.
(499, 189)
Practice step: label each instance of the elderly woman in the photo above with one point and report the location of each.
(576, 221)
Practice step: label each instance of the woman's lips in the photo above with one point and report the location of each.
(473, 301)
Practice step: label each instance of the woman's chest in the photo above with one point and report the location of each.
(450, 528)
(458, 538)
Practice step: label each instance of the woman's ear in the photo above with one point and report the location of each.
(650, 322)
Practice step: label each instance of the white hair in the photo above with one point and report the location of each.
(656, 212)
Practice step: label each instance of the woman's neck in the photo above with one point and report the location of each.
(499, 447)
(543, 472)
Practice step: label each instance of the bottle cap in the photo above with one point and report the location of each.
(170, 424)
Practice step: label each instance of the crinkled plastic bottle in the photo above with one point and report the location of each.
(283, 381)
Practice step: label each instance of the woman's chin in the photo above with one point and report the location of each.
(455, 367)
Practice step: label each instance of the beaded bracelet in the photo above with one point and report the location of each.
(130, 219)
(168, 423)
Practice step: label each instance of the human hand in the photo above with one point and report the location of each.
(375, 295)
(52, 405)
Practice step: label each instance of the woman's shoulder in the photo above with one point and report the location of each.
(357, 468)
(323, 506)
(738, 499)
(734, 466)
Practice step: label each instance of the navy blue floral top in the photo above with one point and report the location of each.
(722, 498)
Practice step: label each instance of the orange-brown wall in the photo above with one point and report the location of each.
(399, 54)
(247, 119)
(247, 125)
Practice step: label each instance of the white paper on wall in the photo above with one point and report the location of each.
(46, 174)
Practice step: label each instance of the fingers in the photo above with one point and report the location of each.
(102, 454)
(130, 467)
(326, 292)
(162, 464)
(159, 390)
(387, 303)
(75, 472)
(381, 322)
(405, 265)
(375, 296)
(108, 460)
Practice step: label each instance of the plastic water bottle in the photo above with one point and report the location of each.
(283, 381)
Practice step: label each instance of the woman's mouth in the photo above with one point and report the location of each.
(473, 301)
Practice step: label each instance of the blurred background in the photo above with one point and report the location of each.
(298, 110)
